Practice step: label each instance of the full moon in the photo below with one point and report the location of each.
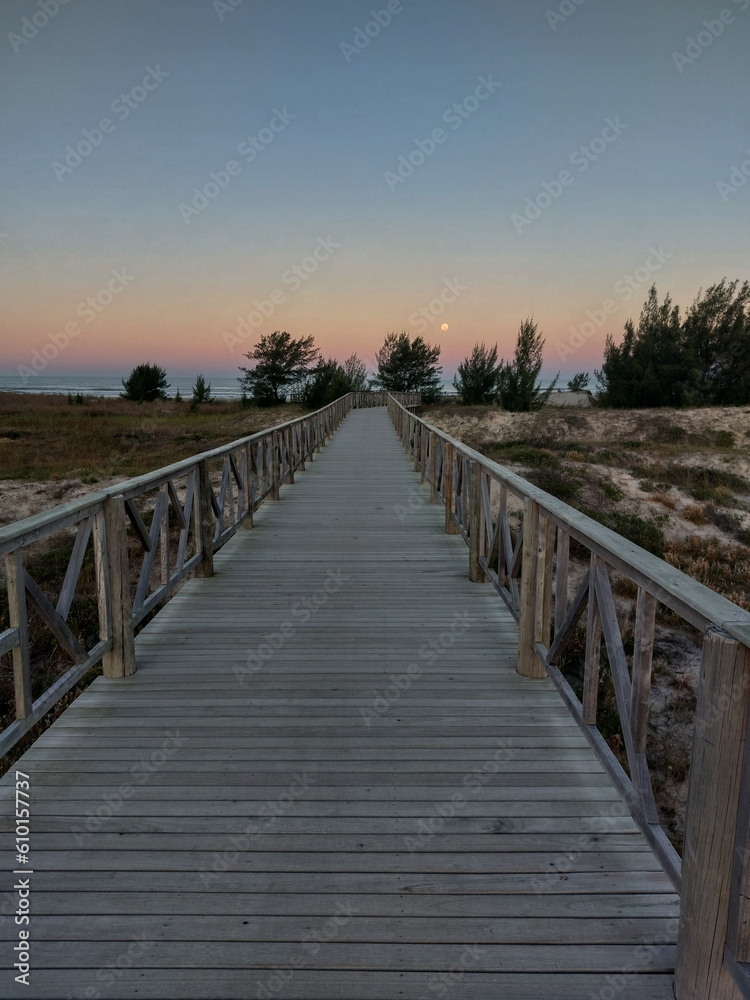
(444, 326)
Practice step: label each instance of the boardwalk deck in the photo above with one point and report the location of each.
(380, 808)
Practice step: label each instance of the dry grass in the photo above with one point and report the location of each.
(665, 499)
(695, 513)
(45, 438)
(724, 568)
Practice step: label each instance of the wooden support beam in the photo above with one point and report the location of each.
(451, 528)
(593, 649)
(433, 477)
(275, 466)
(561, 578)
(711, 820)
(15, 575)
(545, 557)
(529, 664)
(476, 525)
(120, 660)
(205, 567)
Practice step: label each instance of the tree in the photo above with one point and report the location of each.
(654, 364)
(478, 376)
(280, 363)
(579, 382)
(145, 383)
(406, 365)
(331, 380)
(201, 392)
(717, 331)
(356, 374)
(519, 388)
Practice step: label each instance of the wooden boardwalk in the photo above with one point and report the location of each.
(326, 780)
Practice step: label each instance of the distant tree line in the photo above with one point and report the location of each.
(514, 384)
(699, 359)
(284, 367)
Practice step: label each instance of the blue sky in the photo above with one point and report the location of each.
(221, 74)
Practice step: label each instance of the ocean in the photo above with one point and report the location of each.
(108, 385)
(111, 385)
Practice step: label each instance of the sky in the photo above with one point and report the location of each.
(180, 177)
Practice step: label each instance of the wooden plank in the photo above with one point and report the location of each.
(466, 804)
(196, 984)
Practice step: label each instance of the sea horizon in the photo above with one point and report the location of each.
(110, 386)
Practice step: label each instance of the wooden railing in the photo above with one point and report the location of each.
(192, 508)
(530, 569)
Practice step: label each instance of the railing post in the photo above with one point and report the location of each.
(434, 495)
(451, 528)
(289, 445)
(545, 556)
(205, 567)
(275, 466)
(423, 439)
(711, 820)
(476, 525)
(120, 660)
(528, 662)
(246, 471)
(14, 571)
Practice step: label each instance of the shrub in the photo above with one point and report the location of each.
(557, 481)
(695, 514)
(145, 383)
(724, 439)
(611, 489)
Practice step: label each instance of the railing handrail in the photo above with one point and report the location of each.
(531, 573)
(20, 533)
(693, 600)
(253, 468)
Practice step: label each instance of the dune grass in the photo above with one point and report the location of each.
(47, 438)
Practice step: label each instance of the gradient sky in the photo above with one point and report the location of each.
(324, 174)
